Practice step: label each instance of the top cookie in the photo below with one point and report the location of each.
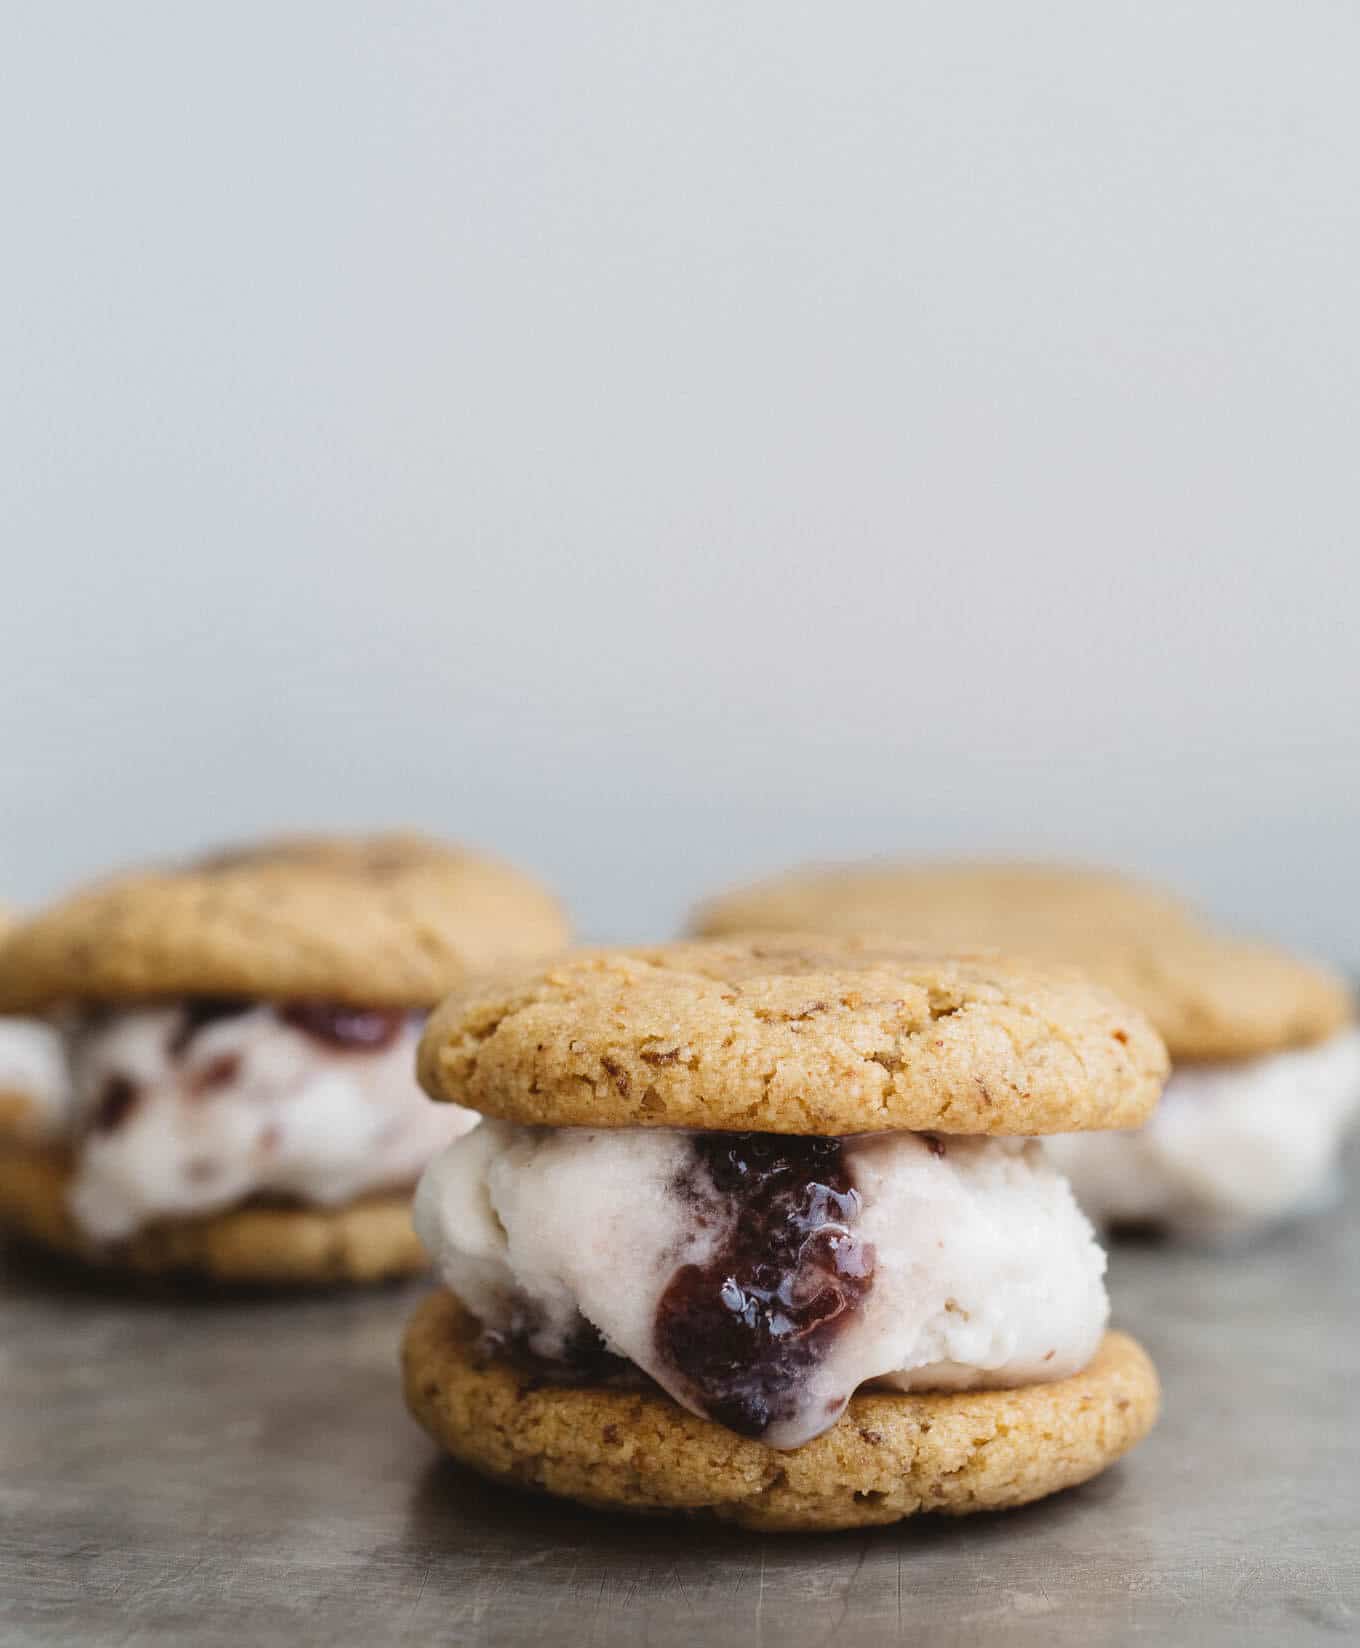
(1210, 995)
(795, 1035)
(382, 921)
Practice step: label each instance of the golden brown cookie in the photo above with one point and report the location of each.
(889, 1456)
(369, 1240)
(383, 921)
(20, 1118)
(1210, 995)
(789, 1035)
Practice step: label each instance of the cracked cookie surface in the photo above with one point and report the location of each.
(378, 921)
(1210, 994)
(795, 1035)
(889, 1456)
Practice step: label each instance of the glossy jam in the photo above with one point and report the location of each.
(744, 1329)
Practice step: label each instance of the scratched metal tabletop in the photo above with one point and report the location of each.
(242, 1472)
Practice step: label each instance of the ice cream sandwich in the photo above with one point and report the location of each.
(763, 1230)
(240, 1036)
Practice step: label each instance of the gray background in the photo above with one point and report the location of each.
(666, 441)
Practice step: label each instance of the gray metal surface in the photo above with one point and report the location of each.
(243, 1473)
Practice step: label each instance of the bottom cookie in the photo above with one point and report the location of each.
(370, 1240)
(20, 1118)
(889, 1456)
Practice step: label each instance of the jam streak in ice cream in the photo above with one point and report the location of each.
(743, 1329)
(187, 1108)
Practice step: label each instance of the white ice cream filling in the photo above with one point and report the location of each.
(33, 1071)
(1231, 1148)
(169, 1124)
(984, 1270)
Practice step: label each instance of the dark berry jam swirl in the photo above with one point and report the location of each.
(333, 1024)
(351, 1029)
(744, 1329)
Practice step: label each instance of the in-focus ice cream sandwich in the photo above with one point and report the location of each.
(1265, 1045)
(762, 1230)
(240, 1036)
